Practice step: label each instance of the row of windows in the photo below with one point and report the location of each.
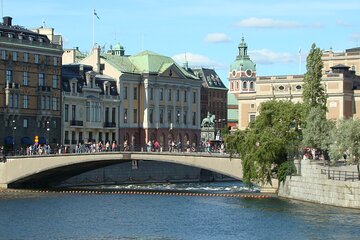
(161, 92)
(41, 79)
(90, 137)
(93, 112)
(14, 102)
(22, 36)
(40, 124)
(16, 56)
(170, 118)
(245, 85)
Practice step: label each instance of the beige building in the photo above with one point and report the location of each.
(349, 58)
(159, 100)
(341, 86)
(91, 105)
(30, 90)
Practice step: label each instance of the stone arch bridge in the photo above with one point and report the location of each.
(28, 170)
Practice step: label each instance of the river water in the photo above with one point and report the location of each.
(126, 216)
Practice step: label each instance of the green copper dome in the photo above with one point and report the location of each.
(118, 47)
(243, 61)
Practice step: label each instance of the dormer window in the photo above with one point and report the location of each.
(31, 38)
(10, 35)
(20, 36)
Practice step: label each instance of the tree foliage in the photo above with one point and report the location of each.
(346, 139)
(313, 91)
(269, 140)
(317, 130)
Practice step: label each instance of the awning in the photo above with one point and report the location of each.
(9, 140)
(26, 141)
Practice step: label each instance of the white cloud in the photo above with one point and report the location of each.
(196, 60)
(343, 23)
(217, 38)
(254, 22)
(266, 56)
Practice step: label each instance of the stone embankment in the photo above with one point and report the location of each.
(322, 184)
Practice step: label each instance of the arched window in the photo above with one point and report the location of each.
(251, 85)
(244, 85)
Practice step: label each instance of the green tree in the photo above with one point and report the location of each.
(313, 91)
(346, 140)
(269, 140)
(317, 130)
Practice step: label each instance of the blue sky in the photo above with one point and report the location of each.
(208, 31)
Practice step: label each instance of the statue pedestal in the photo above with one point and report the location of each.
(207, 133)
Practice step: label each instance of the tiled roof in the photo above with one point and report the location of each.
(209, 77)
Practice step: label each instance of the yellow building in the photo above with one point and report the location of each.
(30, 91)
(350, 58)
(341, 86)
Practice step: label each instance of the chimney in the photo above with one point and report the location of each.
(7, 21)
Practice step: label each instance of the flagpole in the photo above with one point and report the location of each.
(299, 61)
(93, 29)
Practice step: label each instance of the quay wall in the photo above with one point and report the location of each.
(312, 186)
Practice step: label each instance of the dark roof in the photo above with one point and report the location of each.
(338, 66)
(357, 49)
(209, 77)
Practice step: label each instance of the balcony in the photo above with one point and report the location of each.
(109, 124)
(76, 123)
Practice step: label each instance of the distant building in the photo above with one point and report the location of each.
(213, 95)
(342, 87)
(30, 94)
(349, 58)
(232, 112)
(91, 105)
(159, 99)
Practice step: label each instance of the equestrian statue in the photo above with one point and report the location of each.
(208, 121)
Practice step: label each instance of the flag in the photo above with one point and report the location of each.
(299, 51)
(96, 15)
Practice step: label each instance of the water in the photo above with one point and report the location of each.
(158, 217)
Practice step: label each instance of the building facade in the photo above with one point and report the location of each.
(340, 83)
(159, 99)
(232, 112)
(349, 58)
(30, 91)
(91, 105)
(213, 95)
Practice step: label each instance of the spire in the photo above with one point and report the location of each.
(242, 50)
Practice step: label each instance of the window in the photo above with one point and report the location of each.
(10, 101)
(125, 116)
(107, 114)
(25, 123)
(135, 115)
(135, 93)
(41, 79)
(25, 78)
(42, 102)
(185, 118)
(113, 115)
(161, 116)
(72, 136)
(55, 61)
(47, 60)
(66, 135)
(66, 112)
(151, 94)
(100, 136)
(26, 101)
(244, 85)
(54, 104)
(36, 58)
(73, 112)
(90, 137)
(251, 85)
(177, 95)
(169, 98)
(26, 57)
(194, 118)
(88, 112)
(16, 100)
(151, 115)
(3, 54)
(8, 76)
(194, 97)
(125, 92)
(55, 81)
(161, 94)
(169, 116)
(48, 102)
(185, 96)
(252, 118)
(15, 55)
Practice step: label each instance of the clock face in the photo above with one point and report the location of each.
(249, 72)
